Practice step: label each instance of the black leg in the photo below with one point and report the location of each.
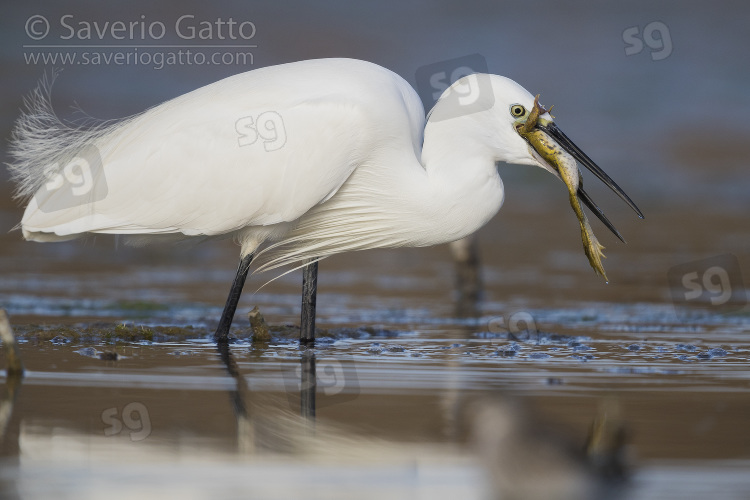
(309, 293)
(222, 331)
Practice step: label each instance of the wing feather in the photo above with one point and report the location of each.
(259, 148)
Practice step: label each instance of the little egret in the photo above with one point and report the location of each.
(310, 158)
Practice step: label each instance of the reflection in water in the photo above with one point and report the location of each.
(276, 452)
(369, 411)
(527, 458)
(468, 280)
(237, 394)
(522, 458)
(10, 423)
(606, 446)
(9, 427)
(10, 432)
(308, 385)
(263, 427)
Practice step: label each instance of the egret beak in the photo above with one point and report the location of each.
(535, 127)
(555, 150)
(549, 128)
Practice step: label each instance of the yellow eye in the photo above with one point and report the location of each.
(517, 110)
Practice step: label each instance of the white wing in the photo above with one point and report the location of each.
(255, 149)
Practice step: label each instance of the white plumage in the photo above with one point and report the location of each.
(359, 168)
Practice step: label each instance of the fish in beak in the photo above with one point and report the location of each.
(553, 148)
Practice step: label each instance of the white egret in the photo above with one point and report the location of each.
(312, 158)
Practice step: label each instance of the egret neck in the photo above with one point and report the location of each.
(463, 186)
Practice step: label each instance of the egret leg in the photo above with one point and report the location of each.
(222, 331)
(309, 294)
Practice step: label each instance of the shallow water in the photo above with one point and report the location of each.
(389, 409)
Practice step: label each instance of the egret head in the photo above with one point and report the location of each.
(549, 148)
(524, 132)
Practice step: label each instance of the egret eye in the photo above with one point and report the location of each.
(517, 110)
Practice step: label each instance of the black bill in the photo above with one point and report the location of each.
(586, 199)
(553, 131)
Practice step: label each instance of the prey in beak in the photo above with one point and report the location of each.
(550, 146)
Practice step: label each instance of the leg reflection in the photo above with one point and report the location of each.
(237, 395)
(308, 385)
(261, 425)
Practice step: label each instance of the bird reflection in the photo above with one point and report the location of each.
(280, 430)
(308, 384)
(237, 395)
(528, 457)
